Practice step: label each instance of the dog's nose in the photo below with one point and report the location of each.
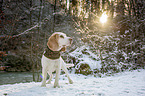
(70, 39)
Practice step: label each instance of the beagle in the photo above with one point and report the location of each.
(52, 61)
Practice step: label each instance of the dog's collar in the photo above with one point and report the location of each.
(52, 54)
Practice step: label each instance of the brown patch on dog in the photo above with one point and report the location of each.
(53, 42)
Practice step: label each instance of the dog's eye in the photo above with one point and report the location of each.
(61, 36)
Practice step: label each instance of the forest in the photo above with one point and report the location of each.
(99, 48)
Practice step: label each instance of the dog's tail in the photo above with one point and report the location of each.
(69, 65)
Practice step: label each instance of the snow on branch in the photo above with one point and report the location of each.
(26, 31)
(37, 25)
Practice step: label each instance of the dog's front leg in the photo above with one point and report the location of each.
(65, 70)
(44, 75)
(58, 70)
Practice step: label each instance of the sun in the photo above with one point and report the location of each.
(103, 18)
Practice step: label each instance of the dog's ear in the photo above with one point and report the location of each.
(53, 42)
(63, 49)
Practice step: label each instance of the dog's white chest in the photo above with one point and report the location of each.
(49, 64)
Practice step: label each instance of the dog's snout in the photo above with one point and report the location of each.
(70, 39)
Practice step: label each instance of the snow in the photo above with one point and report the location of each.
(121, 84)
(86, 59)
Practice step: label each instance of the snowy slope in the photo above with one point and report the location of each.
(121, 84)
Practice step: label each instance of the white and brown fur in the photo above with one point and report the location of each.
(57, 41)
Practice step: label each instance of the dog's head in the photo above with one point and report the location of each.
(59, 41)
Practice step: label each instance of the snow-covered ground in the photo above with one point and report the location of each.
(121, 84)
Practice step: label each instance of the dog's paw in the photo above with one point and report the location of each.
(70, 81)
(43, 85)
(56, 85)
